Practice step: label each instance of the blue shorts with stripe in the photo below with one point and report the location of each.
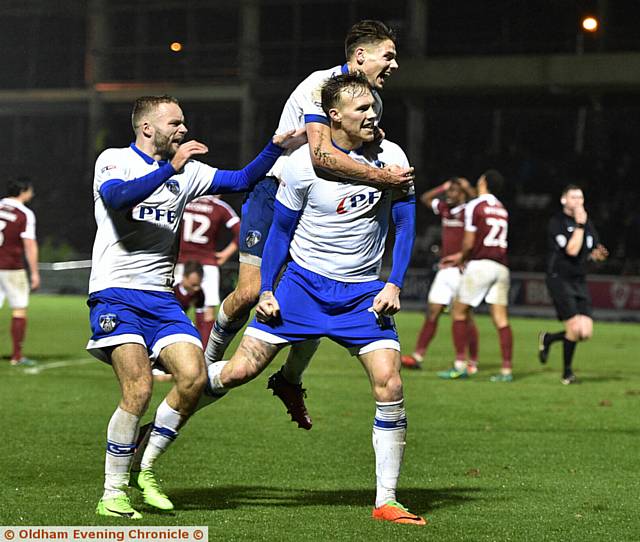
(153, 319)
(257, 216)
(314, 306)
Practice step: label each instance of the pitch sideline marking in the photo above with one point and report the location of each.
(56, 365)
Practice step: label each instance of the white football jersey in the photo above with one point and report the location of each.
(305, 105)
(343, 227)
(137, 248)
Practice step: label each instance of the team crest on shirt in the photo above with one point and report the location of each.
(173, 186)
(108, 322)
(253, 238)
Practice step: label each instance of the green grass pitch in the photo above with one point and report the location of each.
(531, 460)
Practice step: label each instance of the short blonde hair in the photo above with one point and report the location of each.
(143, 105)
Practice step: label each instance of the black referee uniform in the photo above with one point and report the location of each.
(566, 275)
(567, 284)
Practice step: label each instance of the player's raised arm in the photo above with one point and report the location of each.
(230, 181)
(427, 198)
(325, 156)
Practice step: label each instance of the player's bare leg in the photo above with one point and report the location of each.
(251, 358)
(233, 312)
(186, 362)
(500, 317)
(389, 433)
(133, 371)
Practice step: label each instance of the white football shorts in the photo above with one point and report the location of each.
(484, 280)
(445, 285)
(14, 285)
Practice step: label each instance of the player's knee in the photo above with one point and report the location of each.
(191, 383)
(137, 396)
(388, 386)
(237, 373)
(572, 330)
(247, 296)
(585, 333)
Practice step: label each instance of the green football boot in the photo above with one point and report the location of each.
(145, 481)
(502, 378)
(119, 507)
(453, 374)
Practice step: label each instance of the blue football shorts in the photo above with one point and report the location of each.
(256, 219)
(314, 306)
(152, 319)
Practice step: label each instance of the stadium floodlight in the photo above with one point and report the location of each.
(589, 24)
(176, 46)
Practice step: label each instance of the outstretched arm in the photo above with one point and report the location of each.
(326, 157)
(230, 181)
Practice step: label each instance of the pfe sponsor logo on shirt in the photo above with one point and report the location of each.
(142, 212)
(356, 201)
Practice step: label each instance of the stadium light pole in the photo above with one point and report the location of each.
(588, 25)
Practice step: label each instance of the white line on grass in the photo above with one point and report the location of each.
(56, 365)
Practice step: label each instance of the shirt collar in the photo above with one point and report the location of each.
(144, 156)
(359, 150)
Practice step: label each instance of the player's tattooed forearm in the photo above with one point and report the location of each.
(325, 158)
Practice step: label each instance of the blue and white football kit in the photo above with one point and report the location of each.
(139, 204)
(335, 233)
(302, 107)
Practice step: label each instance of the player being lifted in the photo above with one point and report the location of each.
(369, 49)
(140, 193)
(450, 208)
(335, 234)
(486, 275)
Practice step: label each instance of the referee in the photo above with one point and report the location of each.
(572, 241)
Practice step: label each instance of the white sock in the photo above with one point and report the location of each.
(164, 432)
(389, 433)
(222, 333)
(460, 365)
(298, 360)
(214, 389)
(122, 432)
